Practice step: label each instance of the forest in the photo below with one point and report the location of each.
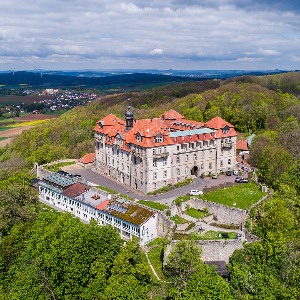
(49, 255)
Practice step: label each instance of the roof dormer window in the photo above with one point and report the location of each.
(159, 138)
(138, 138)
(225, 129)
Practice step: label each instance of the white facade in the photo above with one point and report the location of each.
(144, 232)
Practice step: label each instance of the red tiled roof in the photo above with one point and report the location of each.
(88, 158)
(170, 121)
(240, 160)
(242, 145)
(171, 115)
(102, 205)
(217, 123)
(75, 190)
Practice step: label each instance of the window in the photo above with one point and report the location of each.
(165, 173)
(210, 154)
(186, 170)
(141, 162)
(226, 129)
(154, 151)
(204, 136)
(138, 138)
(154, 185)
(183, 138)
(154, 162)
(229, 161)
(178, 148)
(141, 175)
(202, 166)
(190, 137)
(122, 166)
(178, 171)
(175, 139)
(164, 161)
(109, 139)
(195, 156)
(165, 182)
(159, 138)
(222, 152)
(198, 136)
(178, 159)
(211, 134)
(221, 163)
(165, 149)
(127, 145)
(154, 175)
(210, 165)
(229, 151)
(159, 150)
(135, 173)
(186, 158)
(202, 154)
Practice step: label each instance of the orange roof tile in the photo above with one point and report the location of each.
(217, 123)
(88, 158)
(102, 205)
(171, 115)
(242, 145)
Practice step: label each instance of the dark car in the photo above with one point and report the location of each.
(228, 173)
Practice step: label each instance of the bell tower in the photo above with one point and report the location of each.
(129, 117)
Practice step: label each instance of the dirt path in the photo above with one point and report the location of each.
(14, 132)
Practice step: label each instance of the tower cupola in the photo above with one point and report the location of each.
(129, 117)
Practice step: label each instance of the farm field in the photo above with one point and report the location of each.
(9, 100)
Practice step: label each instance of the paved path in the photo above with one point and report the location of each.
(198, 184)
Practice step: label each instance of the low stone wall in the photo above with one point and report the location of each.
(222, 213)
(164, 224)
(213, 249)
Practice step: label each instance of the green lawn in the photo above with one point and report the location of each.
(244, 195)
(156, 257)
(179, 220)
(106, 189)
(209, 235)
(152, 204)
(5, 128)
(195, 213)
(56, 167)
(4, 138)
(157, 241)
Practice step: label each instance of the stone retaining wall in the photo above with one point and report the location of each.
(213, 249)
(222, 213)
(164, 224)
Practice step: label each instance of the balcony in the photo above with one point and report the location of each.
(135, 153)
(226, 144)
(159, 155)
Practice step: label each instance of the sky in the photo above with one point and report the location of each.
(146, 34)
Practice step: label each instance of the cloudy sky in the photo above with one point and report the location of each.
(145, 34)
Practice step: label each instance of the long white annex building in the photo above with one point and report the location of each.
(88, 203)
(149, 154)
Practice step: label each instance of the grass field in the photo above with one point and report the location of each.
(4, 138)
(157, 241)
(56, 167)
(208, 235)
(156, 257)
(5, 128)
(179, 220)
(243, 195)
(195, 213)
(154, 205)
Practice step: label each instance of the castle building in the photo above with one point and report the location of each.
(149, 154)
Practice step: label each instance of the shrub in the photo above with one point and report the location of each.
(168, 213)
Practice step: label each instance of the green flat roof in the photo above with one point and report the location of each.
(190, 132)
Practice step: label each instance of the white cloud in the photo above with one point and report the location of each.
(182, 34)
(157, 51)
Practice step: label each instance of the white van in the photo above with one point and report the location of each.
(196, 193)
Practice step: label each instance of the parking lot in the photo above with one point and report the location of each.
(198, 184)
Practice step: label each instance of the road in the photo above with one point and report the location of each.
(198, 184)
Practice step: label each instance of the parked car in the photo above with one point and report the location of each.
(196, 193)
(214, 176)
(228, 173)
(235, 172)
(241, 180)
(238, 179)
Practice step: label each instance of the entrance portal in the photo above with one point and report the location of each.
(194, 171)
